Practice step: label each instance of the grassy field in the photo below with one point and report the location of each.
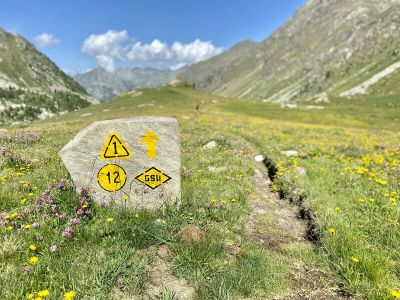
(351, 191)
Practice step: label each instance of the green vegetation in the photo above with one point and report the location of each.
(27, 106)
(351, 191)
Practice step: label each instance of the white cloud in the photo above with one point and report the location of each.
(45, 40)
(113, 46)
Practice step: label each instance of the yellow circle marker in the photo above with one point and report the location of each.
(111, 177)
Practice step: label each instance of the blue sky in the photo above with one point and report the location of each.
(79, 35)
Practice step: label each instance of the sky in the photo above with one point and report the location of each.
(79, 35)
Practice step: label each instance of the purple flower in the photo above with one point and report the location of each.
(45, 217)
(67, 233)
(26, 270)
(39, 238)
(53, 248)
(74, 221)
(61, 185)
(85, 192)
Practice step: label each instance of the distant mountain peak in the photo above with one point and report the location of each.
(105, 85)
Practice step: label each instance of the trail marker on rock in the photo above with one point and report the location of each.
(115, 148)
(135, 157)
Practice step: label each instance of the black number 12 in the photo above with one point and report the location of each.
(116, 178)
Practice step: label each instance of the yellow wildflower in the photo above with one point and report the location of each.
(338, 209)
(30, 296)
(69, 295)
(331, 230)
(33, 260)
(30, 194)
(381, 181)
(27, 226)
(136, 215)
(32, 247)
(10, 228)
(23, 200)
(14, 214)
(233, 200)
(361, 200)
(395, 294)
(372, 200)
(43, 293)
(109, 219)
(84, 206)
(355, 259)
(125, 198)
(213, 200)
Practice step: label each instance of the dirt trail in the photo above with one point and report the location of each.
(162, 278)
(275, 223)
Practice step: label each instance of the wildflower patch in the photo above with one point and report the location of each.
(137, 159)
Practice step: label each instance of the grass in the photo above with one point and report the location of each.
(101, 256)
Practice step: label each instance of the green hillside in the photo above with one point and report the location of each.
(347, 197)
(32, 86)
(326, 49)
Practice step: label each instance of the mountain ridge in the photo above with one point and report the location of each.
(105, 85)
(325, 47)
(31, 85)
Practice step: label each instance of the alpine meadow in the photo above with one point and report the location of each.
(289, 167)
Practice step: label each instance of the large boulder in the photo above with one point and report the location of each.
(132, 162)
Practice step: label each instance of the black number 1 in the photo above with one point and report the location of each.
(116, 178)
(115, 148)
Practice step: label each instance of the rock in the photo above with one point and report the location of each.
(163, 252)
(174, 83)
(211, 145)
(145, 105)
(290, 153)
(259, 158)
(133, 161)
(213, 169)
(301, 170)
(191, 233)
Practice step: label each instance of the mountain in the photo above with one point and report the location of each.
(328, 48)
(32, 86)
(105, 85)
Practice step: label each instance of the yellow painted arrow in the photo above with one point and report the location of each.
(150, 139)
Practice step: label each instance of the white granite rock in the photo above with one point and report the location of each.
(259, 158)
(211, 145)
(82, 157)
(290, 153)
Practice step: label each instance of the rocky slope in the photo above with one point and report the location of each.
(32, 86)
(328, 47)
(105, 85)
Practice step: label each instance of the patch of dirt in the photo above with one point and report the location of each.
(273, 223)
(191, 233)
(161, 277)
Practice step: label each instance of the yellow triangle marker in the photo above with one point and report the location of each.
(150, 139)
(115, 148)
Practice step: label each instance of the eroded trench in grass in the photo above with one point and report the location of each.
(278, 222)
